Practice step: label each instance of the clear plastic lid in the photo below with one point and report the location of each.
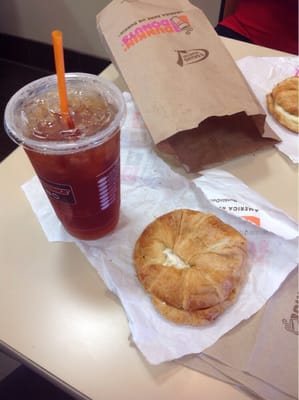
(16, 120)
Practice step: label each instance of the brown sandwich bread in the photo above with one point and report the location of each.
(283, 103)
(192, 264)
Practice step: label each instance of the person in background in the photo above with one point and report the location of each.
(268, 23)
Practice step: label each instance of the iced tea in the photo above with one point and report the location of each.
(79, 168)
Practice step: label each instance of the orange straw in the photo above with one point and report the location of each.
(59, 65)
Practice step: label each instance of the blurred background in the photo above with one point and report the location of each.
(33, 19)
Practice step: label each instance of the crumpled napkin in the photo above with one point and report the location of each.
(149, 189)
(262, 74)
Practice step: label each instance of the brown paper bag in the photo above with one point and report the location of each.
(255, 387)
(260, 355)
(194, 100)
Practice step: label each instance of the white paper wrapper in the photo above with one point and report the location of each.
(262, 74)
(149, 189)
(228, 193)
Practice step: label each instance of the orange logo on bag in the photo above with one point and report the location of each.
(182, 23)
(153, 26)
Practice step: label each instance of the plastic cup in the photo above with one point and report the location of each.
(78, 168)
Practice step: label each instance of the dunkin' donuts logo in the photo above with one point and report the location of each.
(291, 324)
(169, 23)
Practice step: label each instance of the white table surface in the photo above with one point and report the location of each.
(57, 316)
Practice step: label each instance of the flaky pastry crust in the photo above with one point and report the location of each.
(283, 103)
(214, 256)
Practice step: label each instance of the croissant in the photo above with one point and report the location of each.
(192, 264)
(283, 103)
